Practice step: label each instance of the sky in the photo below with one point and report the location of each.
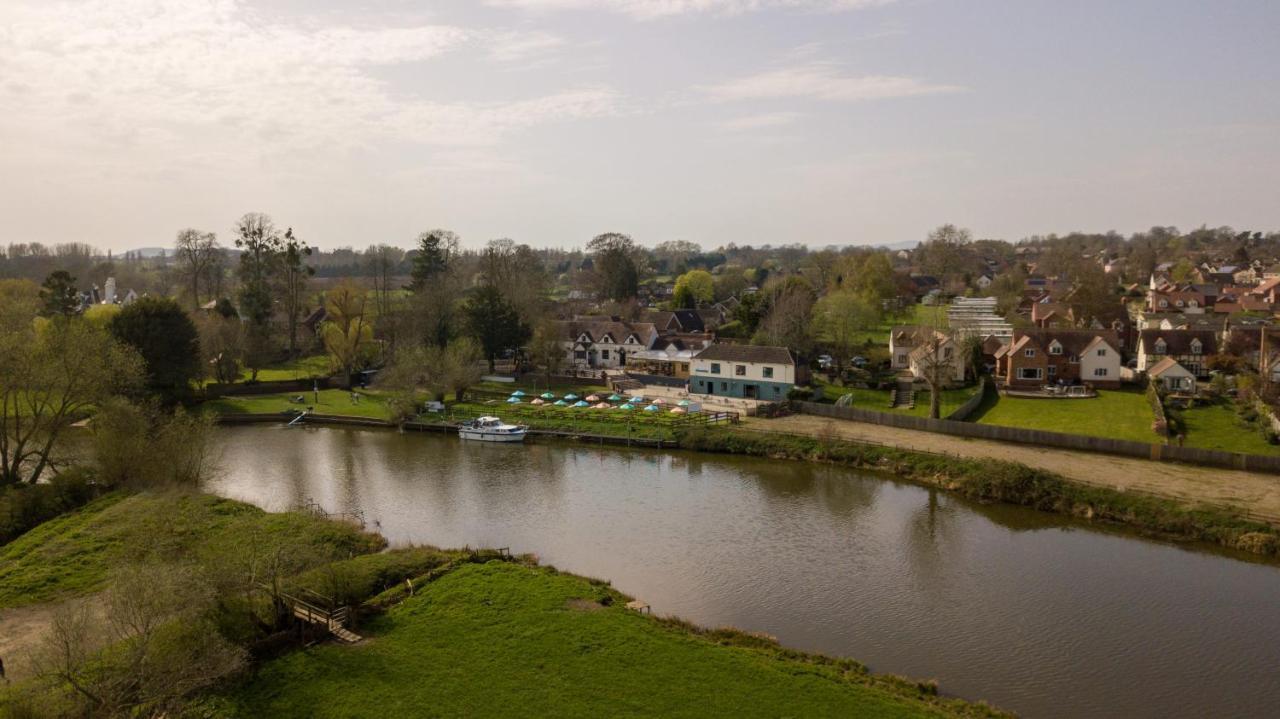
(821, 122)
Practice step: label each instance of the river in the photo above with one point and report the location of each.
(1036, 613)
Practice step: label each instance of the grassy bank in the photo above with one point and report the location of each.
(370, 404)
(502, 639)
(74, 554)
(1009, 482)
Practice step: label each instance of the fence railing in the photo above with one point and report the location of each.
(1060, 440)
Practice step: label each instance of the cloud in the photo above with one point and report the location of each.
(652, 9)
(214, 81)
(511, 46)
(824, 81)
(760, 121)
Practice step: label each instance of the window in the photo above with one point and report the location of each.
(715, 368)
(768, 373)
(946, 353)
(1100, 372)
(1196, 347)
(1161, 347)
(724, 386)
(1053, 370)
(604, 354)
(902, 358)
(1055, 348)
(1029, 373)
(1028, 353)
(1073, 359)
(1102, 353)
(580, 354)
(1164, 303)
(740, 370)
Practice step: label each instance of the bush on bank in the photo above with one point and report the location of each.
(23, 506)
(990, 480)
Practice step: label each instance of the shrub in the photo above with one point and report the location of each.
(23, 506)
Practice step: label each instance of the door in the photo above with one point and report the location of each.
(749, 391)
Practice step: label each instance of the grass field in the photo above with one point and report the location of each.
(502, 639)
(372, 404)
(1217, 426)
(73, 554)
(301, 368)
(1114, 414)
(878, 399)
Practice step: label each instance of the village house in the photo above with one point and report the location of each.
(1173, 377)
(747, 371)
(670, 355)
(942, 355)
(601, 343)
(902, 339)
(1045, 356)
(1190, 348)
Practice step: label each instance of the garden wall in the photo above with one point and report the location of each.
(1125, 448)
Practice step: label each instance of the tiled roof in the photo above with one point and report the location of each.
(746, 353)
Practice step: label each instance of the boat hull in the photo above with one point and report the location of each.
(478, 435)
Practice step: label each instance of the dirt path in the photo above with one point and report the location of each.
(21, 630)
(1256, 493)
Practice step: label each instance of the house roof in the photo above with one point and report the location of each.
(746, 353)
(597, 329)
(1178, 342)
(1075, 342)
(1165, 365)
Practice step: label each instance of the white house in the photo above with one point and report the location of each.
(1172, 376)
(749, 371)
(605, 344)
(945, 353)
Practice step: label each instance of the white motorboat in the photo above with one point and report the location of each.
(492, 429)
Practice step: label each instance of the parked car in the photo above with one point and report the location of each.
(858, 362)
(825, 361)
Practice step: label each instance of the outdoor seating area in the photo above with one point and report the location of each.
(629, 402)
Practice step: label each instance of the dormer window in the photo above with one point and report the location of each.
(1164, 303)
(1192, 303)
(1029, 353)
(1196, 347)
(1055, 348)
(1161, 347)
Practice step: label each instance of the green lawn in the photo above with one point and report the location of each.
(502, 639)
(878, 399)
(72, 555)
(372, 404)
(301, 368)
(1217, 426)
(1114, 414)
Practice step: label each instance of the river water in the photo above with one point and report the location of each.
(1038, 614)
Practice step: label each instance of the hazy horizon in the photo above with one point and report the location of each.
(820, 122)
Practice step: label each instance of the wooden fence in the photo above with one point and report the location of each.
(1058, 440)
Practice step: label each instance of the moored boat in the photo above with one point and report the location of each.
(492, 429)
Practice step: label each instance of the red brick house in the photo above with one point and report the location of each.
(1046, 356)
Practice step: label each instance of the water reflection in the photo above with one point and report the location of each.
(1022, 608)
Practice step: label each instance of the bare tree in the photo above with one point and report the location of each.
(934, 355)
(196, 252)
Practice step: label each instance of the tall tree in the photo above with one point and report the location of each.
(294, 273)
(614, 258)
(260, 250)
(347, 333)
(694, 288)
(943, 254)
(196, 252)
(546, 349)
(59, 295)
(381, 263)
(53, 374)
(494, 322)
(436, 252)
(166, 338)
(839, 320)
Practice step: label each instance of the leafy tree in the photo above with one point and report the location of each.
(494, 323)
(294, 273)
(222, 345)
(944, 253)
(59, 295)
(166, 338)
(1182, 271)
(839, 319)
(347, 333)
(436, 253)
(546, 349)
(260, 252)
(196, 253)
(787, 323)
(53, 374)
(694, 288)
(616, 268)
